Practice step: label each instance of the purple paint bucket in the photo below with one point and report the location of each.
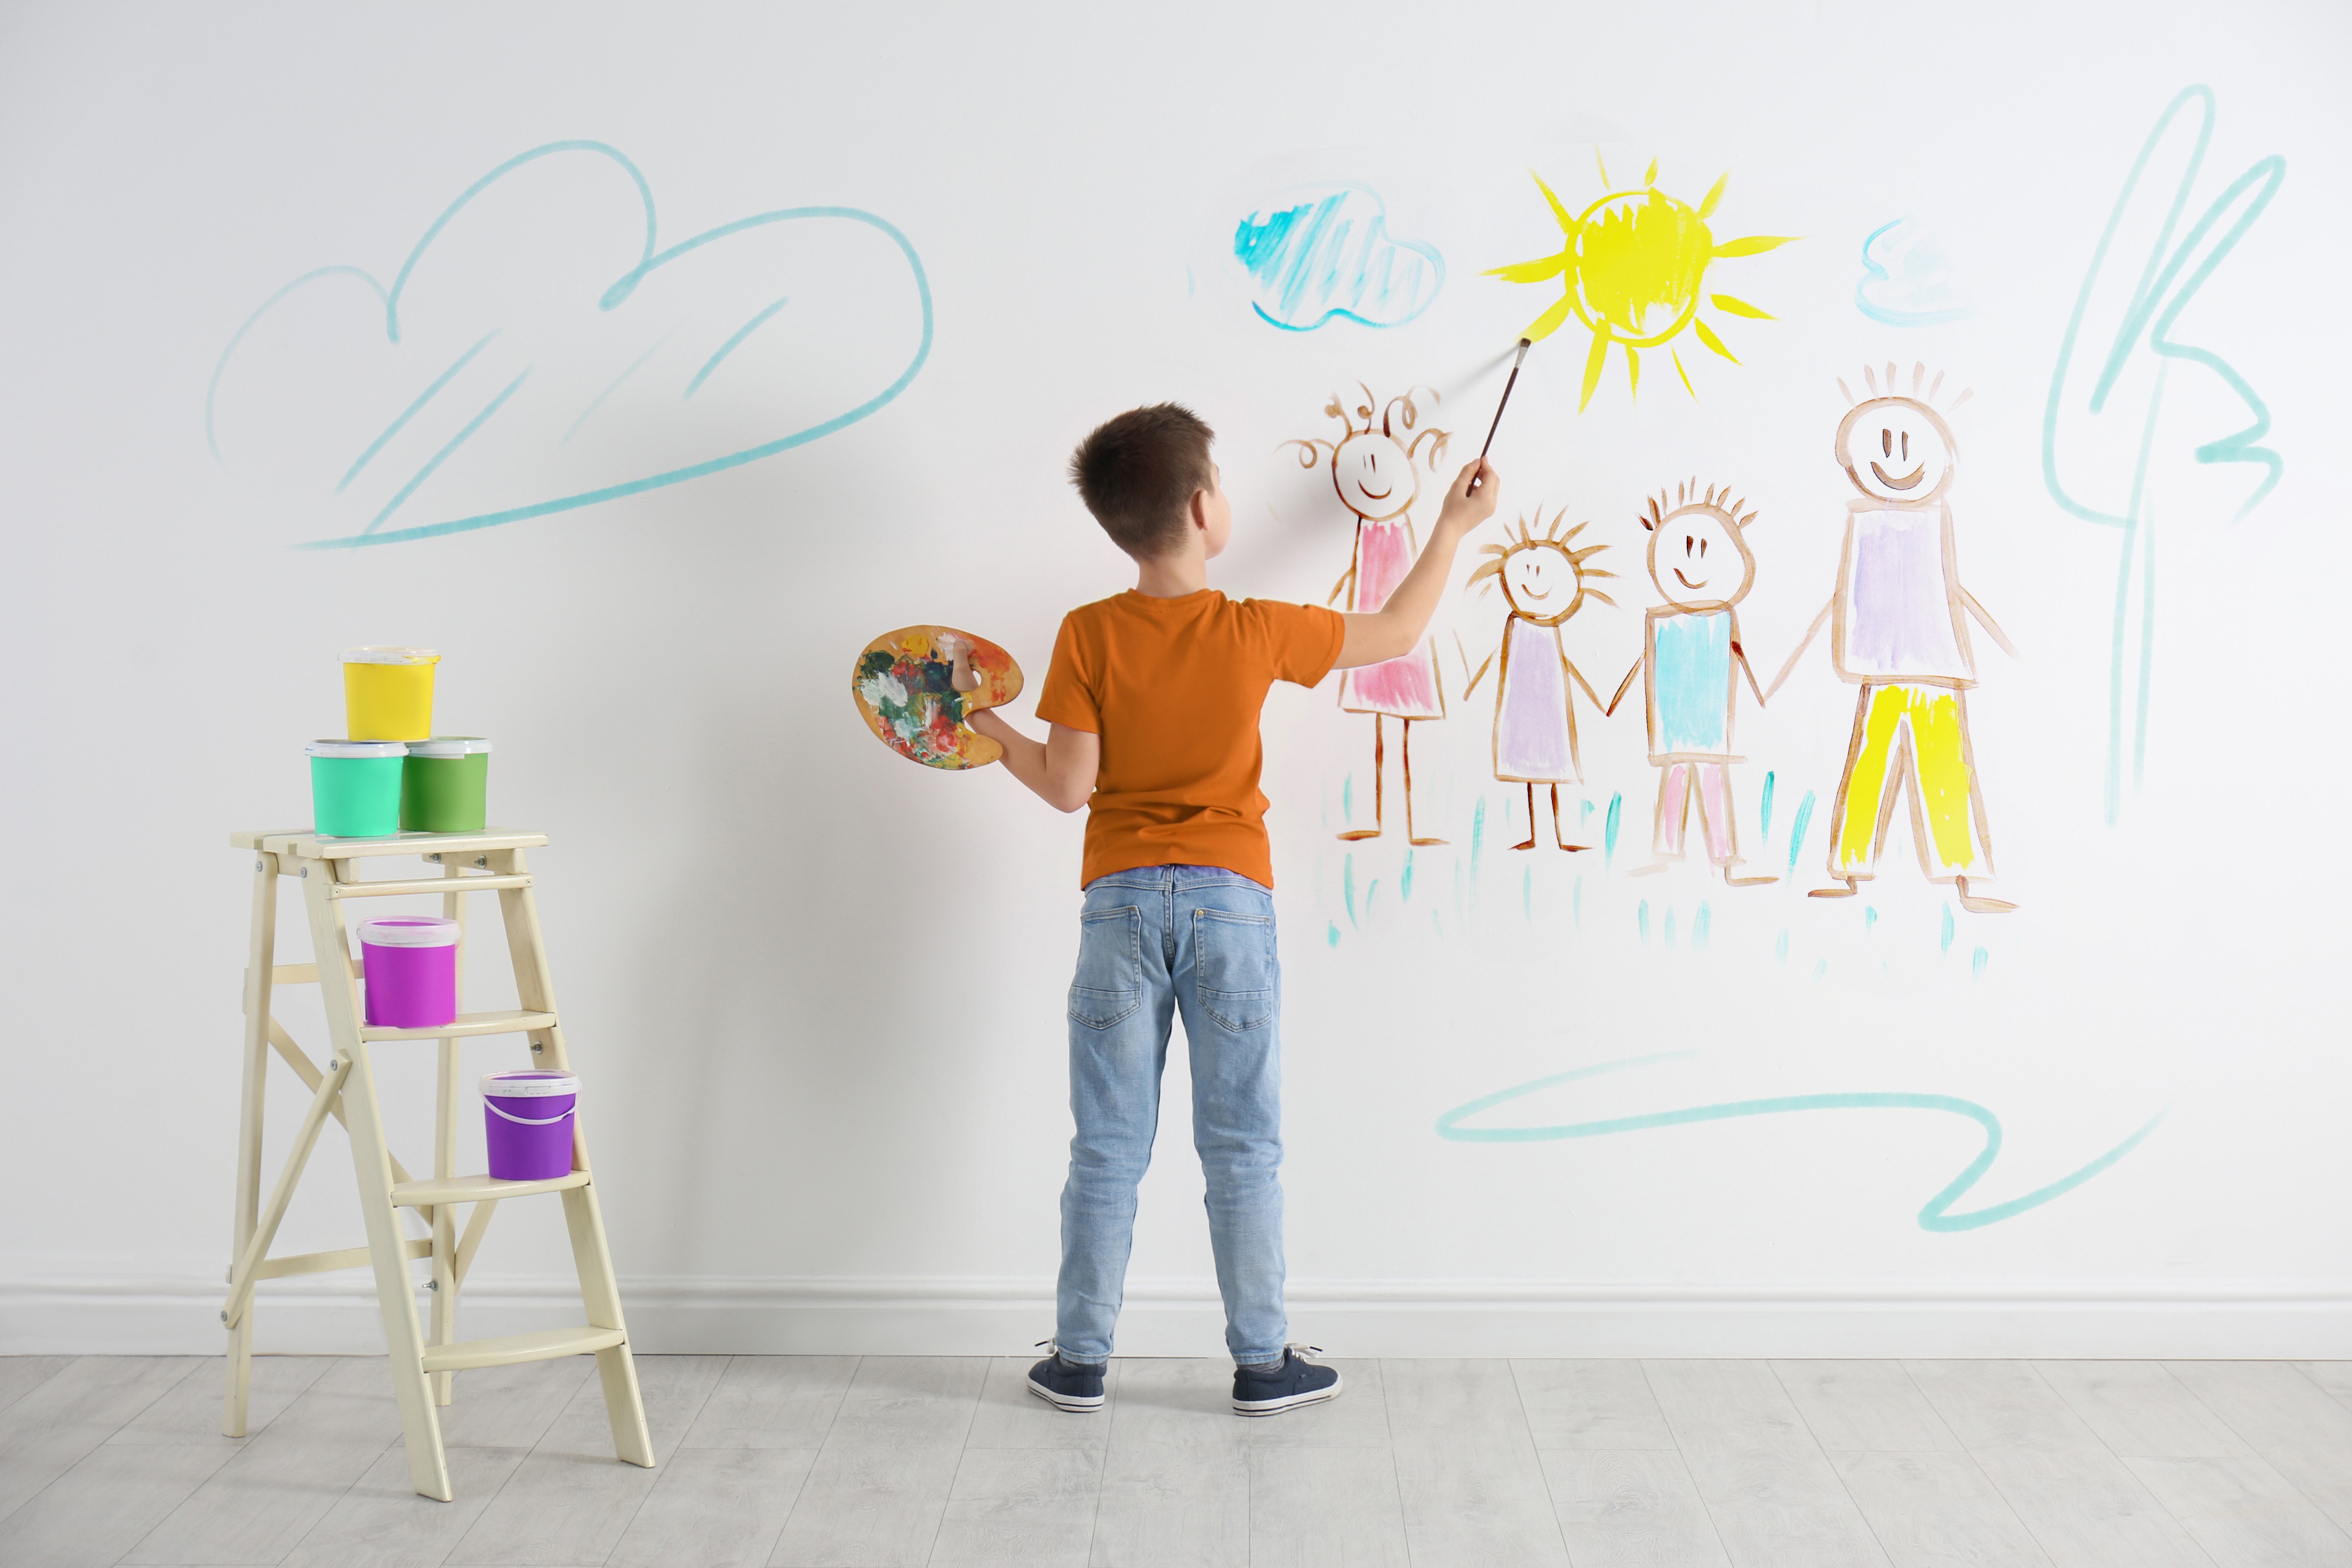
(528, 1117)
(410, 964)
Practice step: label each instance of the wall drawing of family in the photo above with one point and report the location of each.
(1898, 617)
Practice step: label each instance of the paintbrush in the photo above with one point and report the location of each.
(1517, 359)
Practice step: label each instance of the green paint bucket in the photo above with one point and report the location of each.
(445, 785)
(355, 788)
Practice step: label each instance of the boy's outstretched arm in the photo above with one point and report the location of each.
(1391, 632)
(1061, 769)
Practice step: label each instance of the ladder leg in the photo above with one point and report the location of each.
(261, 956)
(445, 1159)
(429, 1467)
(241, 1279)
(617, 1370)
(591, 1255)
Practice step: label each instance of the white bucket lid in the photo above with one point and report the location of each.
(448, 748)
(531, 1085)
(410, 931)
(357, 748)
(386, 654)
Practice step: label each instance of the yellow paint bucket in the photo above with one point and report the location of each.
(388, 693)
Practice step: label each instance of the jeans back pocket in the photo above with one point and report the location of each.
(1234, 969)
(1109, 986)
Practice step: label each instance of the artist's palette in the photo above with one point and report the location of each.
(904, 685)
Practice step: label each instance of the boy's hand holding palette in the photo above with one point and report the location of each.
(905, 686)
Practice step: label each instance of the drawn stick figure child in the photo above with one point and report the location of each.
(1899, 630)
(1691, 663)
(1377, 480)
(1544, 581)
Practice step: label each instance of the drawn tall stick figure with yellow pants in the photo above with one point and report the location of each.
(1899, 630)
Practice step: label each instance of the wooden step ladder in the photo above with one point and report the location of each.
(422, 1364)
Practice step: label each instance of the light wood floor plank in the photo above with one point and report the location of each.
(2140, 1410)
(380, 1523)
(2001, 1405)
(773, 1402)
(46, 1430)
(96, 1511)
(2286, 1418)
(1632, 1509)
(2086, 1510)
(1455, 1396)
(513, 1406)
(715, 1507)
(1178, 1406)
(1937, 1511)
(1020, 1508)
(2334, 1376)
(2244, 1514)
(1599, 1405)
(20, 1375)
(928, 1399)
(869, 1505)
(1865, 1406)
(1476, 1495)
(190, 1412)
(1357, 1418)
(1772, 1494)
(1010, 1416)
(1173, 1507)
(1325, 1507)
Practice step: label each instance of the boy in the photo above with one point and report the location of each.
(1153, 696)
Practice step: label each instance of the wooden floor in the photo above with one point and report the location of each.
(802, 1461)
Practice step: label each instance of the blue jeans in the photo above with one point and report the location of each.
(1198, 939)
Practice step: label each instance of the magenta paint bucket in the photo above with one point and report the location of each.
(528, 1117)
(410, 964)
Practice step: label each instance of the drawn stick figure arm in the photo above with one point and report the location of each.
(1578, 675)
(1740, 654)
(1969, 600)
(1341, 587)
(1474, 675)
(1622, 687)
(1811, 632)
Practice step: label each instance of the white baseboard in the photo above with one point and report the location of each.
(979, 1316)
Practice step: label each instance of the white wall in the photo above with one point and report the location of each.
(815, 992)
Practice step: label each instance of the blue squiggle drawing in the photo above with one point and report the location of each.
(650, 260)
(1935, 1214)
(1905, 281)
(2167, 279)
(1323, 253)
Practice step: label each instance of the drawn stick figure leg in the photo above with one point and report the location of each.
(1408, 786)
(1558, 835)
(1379, 750)
(1530, 843)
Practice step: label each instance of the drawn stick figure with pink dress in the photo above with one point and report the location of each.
(1377, 477)
(1544, 581)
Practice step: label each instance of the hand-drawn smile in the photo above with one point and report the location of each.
(1686, 582)
(1372, 495)
(1905, 483)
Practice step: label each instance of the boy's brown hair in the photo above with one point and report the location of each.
(1137, 474)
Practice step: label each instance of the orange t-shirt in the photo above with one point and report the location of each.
(1173, 686)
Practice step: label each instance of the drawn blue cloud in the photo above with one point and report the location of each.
(1317, 252)
(562, 352)
(1905, 279)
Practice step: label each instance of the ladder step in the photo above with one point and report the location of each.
(505, 1020)
(545, 1344)
(425, 885)
(476, 1190)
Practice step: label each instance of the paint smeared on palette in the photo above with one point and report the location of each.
(904, 685)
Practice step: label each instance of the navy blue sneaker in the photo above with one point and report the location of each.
(1296, 1382)
(1067, 1385)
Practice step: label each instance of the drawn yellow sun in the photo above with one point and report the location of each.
(1633, 270)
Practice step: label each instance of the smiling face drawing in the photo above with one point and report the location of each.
(1897, 449)
(1543, 573)
(1700, 557)
(1375, 477)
